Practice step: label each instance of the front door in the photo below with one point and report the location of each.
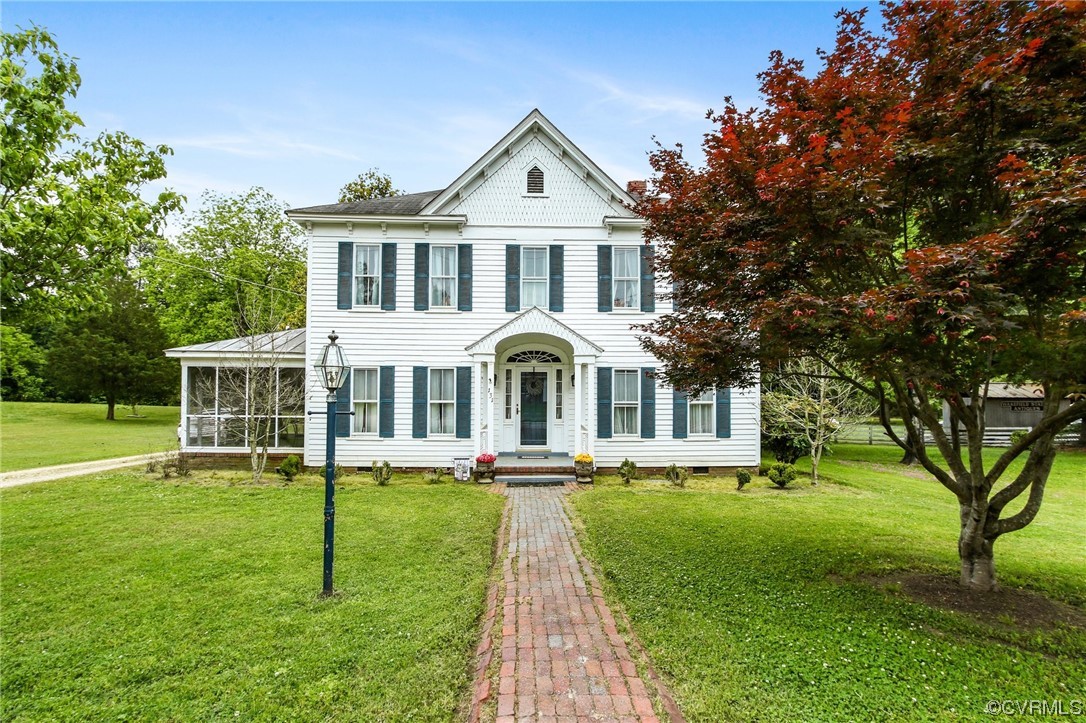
(533, 409)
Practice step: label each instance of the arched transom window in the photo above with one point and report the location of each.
(535, 180)
(534, 356)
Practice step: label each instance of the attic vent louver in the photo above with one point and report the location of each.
(535, 180)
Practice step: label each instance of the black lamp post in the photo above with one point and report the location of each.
(332, 370)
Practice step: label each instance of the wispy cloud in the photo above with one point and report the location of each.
(258, 144)
(648, 103)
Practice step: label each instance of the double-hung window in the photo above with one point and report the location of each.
(627, 275)
(626, 401)
(442, 277)
(364, 390)
(701, 413)
(442, 401)
(367, 275)
(534, 278)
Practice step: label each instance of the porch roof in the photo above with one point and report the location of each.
(287, 344)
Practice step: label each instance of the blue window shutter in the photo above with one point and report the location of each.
(346, 271)
(724, 413)
(463, 402)
(603, 259)
(512, 277)
(388, 277)
(422, 277)
(678, 415)
(419, 387)
(343, 408)
(557, 280)
(386, 402)
(648, 403)
(463, 270)
(648, 279)
(603, 402)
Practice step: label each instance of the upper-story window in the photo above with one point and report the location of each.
(535, 181)
(442, 277)
(367, 274)
(534, 278)
(627, 277)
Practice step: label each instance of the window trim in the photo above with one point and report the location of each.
(635, 405)
(377, 274)
(545, 279)
(430, 402)
(711, 403)
(615, 278)
(355, 401)
(453, 278)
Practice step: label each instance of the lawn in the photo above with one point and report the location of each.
(38, 434)
(762, 605)
(131, 598)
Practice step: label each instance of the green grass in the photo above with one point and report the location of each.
(757, 606)
(39, 434)
(130, 598)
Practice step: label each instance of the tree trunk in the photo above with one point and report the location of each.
(977, 557)
(910, 439)
(111, 405)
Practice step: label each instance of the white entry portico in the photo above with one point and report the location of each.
(538, 376)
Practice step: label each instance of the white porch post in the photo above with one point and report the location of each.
(585, 395)
(184, 433)
(483, 370)
(578, 409)
(480, 423)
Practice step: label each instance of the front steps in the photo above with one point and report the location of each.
(524, 469)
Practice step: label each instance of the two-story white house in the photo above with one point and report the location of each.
(495, 315)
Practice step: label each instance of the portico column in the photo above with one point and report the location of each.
(480, 423)
(584, 365)
(486, 443)
(578, 408)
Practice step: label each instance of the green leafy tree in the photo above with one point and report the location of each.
(70, 209)
(113, 349)
(22, 363)
(236, 253)
(371, 184)
(916, 208)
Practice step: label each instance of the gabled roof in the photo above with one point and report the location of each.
(288, 344)
(534, 122)
(534, 321)
(408, 204)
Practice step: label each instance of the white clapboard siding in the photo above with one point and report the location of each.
(574, 211)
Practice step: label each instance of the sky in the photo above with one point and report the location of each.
(300, 98)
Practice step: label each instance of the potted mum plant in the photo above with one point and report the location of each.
(484, 467)
(584, 468)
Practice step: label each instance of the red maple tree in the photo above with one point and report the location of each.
(918, 210)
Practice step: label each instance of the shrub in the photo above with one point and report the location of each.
(627, 470)
(763, 469)
(290, 467)
(742, 476)
(786, 446)
(677, 475)
(382, 473)
(781, 474)
(337, 472)
(436, 476)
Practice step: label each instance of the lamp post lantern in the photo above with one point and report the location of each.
(332, 370)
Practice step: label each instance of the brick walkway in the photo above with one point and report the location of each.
(561, 657)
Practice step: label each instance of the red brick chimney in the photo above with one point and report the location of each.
(637, 189)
